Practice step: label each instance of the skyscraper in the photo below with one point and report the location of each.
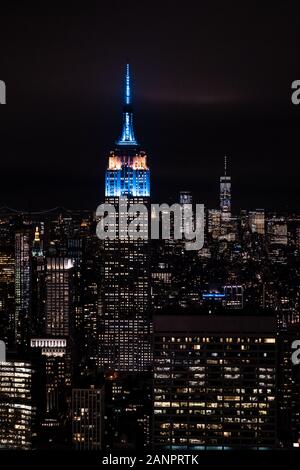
(53, 363)
(225, 194)
(58, 296)
(22, 285)
(214, 223)
(37, 247)
(125, 324)
(257, 221)
(7, 284)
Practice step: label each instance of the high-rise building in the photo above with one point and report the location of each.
(288, 390)
(125, 325)
(185, 200)
(128, 411)
(87, 418)
(53, 352)
(214, 223)
(214, 381)
(37, 246)
(277, 231)
(225, 194)
(53, 362)
(59, 296)
(7, 294)
(38, 296)
(185, 197)
(17, 412)
(257, 221)
(21, 321)
(234, 296)
(90, 274)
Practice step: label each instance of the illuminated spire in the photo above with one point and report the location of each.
(225, 165)
(127, 86)
(127, 136)
(37, 235)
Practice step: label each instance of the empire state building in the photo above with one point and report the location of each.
(125, 325)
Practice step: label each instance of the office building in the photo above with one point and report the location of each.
(17, 412)
(59, 298)
(214, 381)
(22, 317)
(87, 418)
(225, 194)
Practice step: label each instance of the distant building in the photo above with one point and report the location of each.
(37, 245)
(185, 197)
(277, 231)
(214, 223)
(7, 294)
(225, 194)
(257, 221)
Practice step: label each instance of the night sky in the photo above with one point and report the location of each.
(210, 78)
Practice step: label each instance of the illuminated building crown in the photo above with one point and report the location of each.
(127, 172)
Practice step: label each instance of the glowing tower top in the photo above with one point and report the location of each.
(127, 171)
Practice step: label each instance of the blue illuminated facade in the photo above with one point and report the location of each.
(127, 173)
(127, 181)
